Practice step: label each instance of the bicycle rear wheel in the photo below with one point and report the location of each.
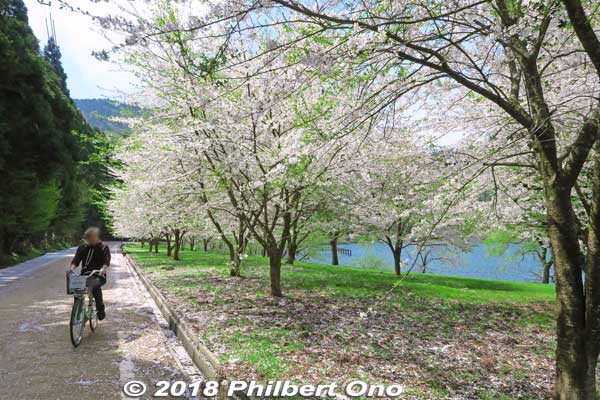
(77, 323)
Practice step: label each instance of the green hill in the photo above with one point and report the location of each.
(98, 113)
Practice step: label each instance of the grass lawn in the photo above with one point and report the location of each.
(439, 336)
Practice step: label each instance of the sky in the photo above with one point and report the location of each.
(77, 37)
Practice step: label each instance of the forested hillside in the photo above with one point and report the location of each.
(53, 164)
(98, 113)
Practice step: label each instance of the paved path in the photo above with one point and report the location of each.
(37, 360)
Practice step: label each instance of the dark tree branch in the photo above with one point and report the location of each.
(584, 30)
(579, 151)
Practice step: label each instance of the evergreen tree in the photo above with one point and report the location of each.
(49, 168)
(53, 56)
(14, 8)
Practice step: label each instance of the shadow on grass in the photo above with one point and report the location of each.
(437, 335)
(360, 282)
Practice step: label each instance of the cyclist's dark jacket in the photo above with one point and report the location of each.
(92, 257)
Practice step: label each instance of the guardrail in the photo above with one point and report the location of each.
(346, 252)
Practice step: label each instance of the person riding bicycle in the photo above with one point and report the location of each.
(93, 255)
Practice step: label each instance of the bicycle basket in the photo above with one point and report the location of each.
(76, 283)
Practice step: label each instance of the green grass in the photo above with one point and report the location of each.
(359, 282)
(316, 331)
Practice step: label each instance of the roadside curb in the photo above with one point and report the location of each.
(204, 359)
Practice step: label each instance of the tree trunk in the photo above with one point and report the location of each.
(150, 245)
(205, 245)
(546, 265)
(142, 242)
(576, 354)
(169, 248)
(578, 343)
(192, 243)
(275, 271)
(235, 262)
(240, 249)
(177, 245)
(334, 251)
(546, 276)
(291, 253)
(395, 245)
(156, 242)
(397, 258)
(578, 312)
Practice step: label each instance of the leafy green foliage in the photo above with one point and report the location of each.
(47, 177)
(44, 207)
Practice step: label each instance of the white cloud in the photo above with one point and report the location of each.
(78, 36)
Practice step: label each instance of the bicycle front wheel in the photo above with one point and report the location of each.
(93, 314)
(77, 324)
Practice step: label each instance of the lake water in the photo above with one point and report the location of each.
(474, 263)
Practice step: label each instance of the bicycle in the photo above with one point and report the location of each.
(78, 285)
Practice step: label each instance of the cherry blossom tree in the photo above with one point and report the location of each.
(535, 66)
(253, 147)
(149, 203)
(392, 182)
(521, 77)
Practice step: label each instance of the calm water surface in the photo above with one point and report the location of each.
(476, 262)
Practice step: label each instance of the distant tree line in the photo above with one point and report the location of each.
(53, 165)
